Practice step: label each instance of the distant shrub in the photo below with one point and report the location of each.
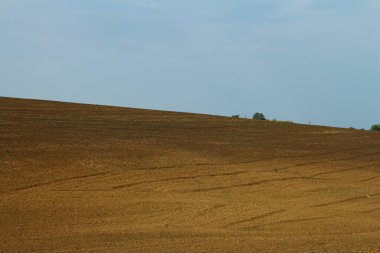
(236, 116)
(259, 116)
(375, 128)
(7, 150)
(283, 121)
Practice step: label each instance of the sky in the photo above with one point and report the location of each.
(306, 61)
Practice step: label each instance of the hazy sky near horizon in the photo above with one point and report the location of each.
(300, 60)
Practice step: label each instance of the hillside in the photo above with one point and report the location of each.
(87, 178)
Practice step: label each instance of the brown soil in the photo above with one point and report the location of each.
(85, 178)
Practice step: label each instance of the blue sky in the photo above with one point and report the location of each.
(300, 60)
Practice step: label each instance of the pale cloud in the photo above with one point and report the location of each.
(374, 3)
(145, 3)
(292, 7)
(3, 5)
(297, 4)
(288, 8)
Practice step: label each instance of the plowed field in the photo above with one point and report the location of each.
(86, 178)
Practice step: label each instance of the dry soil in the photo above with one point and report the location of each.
(86, 178)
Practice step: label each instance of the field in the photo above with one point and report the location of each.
(86, 178)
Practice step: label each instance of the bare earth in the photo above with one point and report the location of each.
(85, 178)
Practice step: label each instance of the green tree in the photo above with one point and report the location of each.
(259, 116)
(375, 127)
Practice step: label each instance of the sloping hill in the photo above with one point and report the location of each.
(86, 178)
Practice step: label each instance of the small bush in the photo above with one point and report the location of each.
(375, 127)
(7, 150)
(236, 116)
(286, 121)
(259, 116)
(283, 121)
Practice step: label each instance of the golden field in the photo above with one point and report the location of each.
(87, 178)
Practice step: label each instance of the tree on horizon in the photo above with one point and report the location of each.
(259, 116)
